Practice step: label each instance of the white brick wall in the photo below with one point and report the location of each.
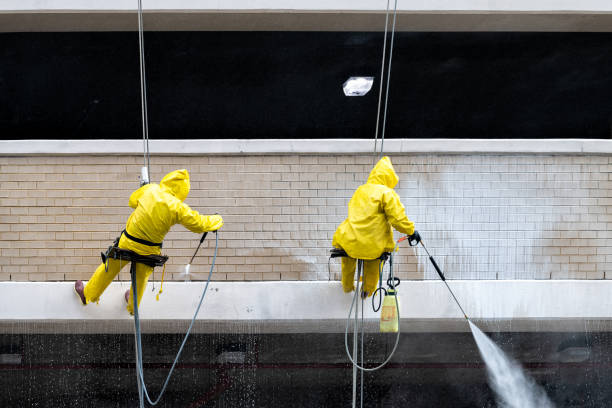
(481, 216)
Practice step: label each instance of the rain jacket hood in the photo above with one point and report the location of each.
(374, 208)
(176, 183)
(383, 173)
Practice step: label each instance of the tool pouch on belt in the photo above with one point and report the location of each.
(104, 255)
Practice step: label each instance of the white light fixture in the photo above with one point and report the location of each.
(357, 86)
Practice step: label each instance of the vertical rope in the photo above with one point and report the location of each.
(143, 93)
(355, 332)
(382, 76)
(362, 334)
(382, 140)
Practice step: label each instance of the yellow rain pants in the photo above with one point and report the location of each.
(156, 209)
(102, 278)
(367, 231)
(369, 278)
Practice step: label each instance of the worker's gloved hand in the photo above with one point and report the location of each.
(216, 222)
(414, 239)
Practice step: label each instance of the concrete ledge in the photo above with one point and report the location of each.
(303, 146)
(286, 307)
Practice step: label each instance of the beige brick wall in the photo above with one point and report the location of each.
(482, 216)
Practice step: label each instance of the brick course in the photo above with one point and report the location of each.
(482, 216)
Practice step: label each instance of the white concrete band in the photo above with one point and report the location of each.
(304, 146)
(285, 307)
(365, 5)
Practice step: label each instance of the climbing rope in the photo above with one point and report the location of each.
(143, 96)
(142, 389)
(382, 77)
(355, 304)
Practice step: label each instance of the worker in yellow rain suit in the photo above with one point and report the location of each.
(156, 209)
(374, 208)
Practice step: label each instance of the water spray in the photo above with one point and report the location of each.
(513, 387)
(415, 239)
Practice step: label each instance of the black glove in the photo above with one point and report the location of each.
(414, 239)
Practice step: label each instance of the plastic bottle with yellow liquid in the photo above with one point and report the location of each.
(389, 322)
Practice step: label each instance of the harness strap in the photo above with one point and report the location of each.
(131, 256)
(141, 241)
(339, 252)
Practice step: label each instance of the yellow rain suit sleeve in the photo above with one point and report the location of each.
(396, 213)
(374, 208)
(194, 222)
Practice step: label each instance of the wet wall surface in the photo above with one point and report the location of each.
(215, 85)
(298, 370)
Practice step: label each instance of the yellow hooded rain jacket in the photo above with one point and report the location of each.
(374, 208)
(156, 209)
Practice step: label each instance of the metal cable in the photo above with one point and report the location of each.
(362, 334)
(355, 332)
(382, 76)
(143, 93)
(382, 139)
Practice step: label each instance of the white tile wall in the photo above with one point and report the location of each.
(482, 216)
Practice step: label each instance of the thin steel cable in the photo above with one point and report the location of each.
(382, 139)
(143, 93)
(362, 334)
(382, 76)
(355, 332)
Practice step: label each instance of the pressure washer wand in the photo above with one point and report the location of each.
(441, 275)
(188, 266)
(413, 242)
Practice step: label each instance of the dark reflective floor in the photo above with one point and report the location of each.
(293, 370)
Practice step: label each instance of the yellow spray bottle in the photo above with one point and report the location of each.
(389, 322)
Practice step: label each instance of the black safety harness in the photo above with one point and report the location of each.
(115, 252)
(140, 240)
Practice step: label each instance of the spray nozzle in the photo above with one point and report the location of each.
(187, 268)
